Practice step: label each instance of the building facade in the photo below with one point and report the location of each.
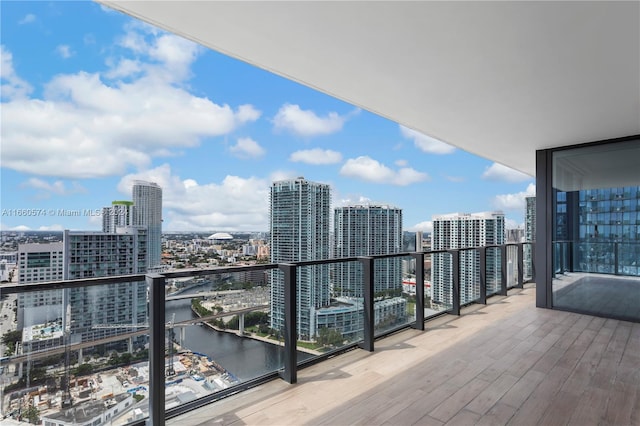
(119, 214)
(96, 311)
(459, 230)
(529, 235)
(147, 202)
(40, 262)
(299, 223)
(367, 230)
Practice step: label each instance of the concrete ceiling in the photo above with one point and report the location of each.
(497, 79)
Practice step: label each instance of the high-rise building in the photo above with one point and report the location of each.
(459, 231)
(85, 313)
(94, 310)
(147, 202)
(40, 262)
(119, 214)
(366, 230)
(300, 213)
(529, 235)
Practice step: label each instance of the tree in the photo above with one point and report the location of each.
(12, 336)
(126, 357)
(84, 369)
(329, 337)
(32, 415)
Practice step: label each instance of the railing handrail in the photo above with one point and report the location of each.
(13, 288)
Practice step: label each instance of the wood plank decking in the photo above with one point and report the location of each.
(504, 363)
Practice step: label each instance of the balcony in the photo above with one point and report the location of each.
(478, 359)
(504, 363)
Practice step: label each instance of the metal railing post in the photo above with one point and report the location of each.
(419, 258)
(616, 259)
(503, 270)
(520, 283)
(156, 284)
(369, 320)
(482, 251)
(290, 373)
(455, 258)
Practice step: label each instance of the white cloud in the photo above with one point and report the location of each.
(13, 87)
(54, 227)
(28, 18)
(370, 170)
(247, 148)
(88, 126)
(426, 226)
(514, 201)
(235, 204)
(16, 228)
(316, 156)
(277, 175)
(306, 123)
(350, 200)
(401, 163)
(64, 51)
(498, 172)
(426, 143)
(47, 189)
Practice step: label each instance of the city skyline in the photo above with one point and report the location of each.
(88, 108)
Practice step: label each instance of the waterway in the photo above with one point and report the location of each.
(244, 357)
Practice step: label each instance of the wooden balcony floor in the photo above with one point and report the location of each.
(504, 363)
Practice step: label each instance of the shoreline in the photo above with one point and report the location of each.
(254, 336)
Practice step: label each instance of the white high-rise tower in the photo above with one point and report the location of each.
(147, 202)
(459, 231)
(300, 217)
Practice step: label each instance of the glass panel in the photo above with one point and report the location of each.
(596, 229)
(339, 319)
(469, 276)
(392, 307)
(494, 275)
(527, 262)
(430, 309)
(234, 343)
(442, 282)
(81, 348)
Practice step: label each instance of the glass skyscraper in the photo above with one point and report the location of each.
(366, 230)
(147, 201)
(300, 221)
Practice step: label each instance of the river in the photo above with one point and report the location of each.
(244, 357)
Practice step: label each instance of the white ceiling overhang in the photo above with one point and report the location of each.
(497, 79)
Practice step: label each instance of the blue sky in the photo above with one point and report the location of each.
(93, 99)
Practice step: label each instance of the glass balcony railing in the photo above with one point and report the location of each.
(611, 257)
(138, 348)
(597, 278)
